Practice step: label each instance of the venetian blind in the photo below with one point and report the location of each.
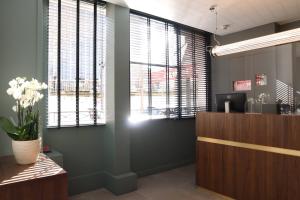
(169, 69)
(76, 62)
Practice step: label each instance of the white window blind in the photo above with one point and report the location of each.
(76, 62)
(169, 69)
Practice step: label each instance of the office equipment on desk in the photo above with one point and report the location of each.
(283, 109)
(227, 106)
(237, 102)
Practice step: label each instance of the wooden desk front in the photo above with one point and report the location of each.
(249, 156)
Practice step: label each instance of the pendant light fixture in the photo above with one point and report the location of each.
(251, 44)
(213, 9)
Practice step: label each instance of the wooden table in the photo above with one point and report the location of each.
(44, 180)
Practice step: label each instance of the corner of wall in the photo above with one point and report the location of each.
(120, 184)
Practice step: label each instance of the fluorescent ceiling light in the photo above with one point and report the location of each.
(257, 43)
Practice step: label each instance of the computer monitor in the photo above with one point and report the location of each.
(237, 102)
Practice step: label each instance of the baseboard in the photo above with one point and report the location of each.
(117, 184)
(120, 184)
(85, 183)
(164, 167)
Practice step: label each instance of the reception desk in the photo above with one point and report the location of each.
(249, 156)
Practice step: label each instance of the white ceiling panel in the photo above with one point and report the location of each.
(239, 14)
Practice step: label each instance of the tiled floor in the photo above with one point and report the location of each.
(176, 184)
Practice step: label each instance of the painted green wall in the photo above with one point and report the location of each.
(158, 145)
(83, 153)
(18, 51)
(102, 156)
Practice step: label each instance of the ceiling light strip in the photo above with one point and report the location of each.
(257, 43)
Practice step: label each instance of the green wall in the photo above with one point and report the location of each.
(18, 51)
(103, 156)
(158, 145)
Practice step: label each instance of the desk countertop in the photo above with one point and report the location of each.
(11, 172)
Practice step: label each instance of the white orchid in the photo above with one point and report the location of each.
(26, 93)
(16, 87)
(15, 108)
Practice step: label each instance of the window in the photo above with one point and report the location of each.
(169, 69)
(76, 62)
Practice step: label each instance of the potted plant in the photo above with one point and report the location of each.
(26, 143)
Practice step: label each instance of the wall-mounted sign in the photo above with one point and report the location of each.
(242, 85)
(261, 79)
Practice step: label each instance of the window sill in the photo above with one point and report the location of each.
(74, 126)
(161, 119)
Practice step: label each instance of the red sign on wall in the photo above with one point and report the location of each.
(243, 85)
(261, 79)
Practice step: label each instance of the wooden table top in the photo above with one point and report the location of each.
(11, 172)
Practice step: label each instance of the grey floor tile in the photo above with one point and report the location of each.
(176, 184)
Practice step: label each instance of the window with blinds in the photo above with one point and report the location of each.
(76, 62)
(169, 69)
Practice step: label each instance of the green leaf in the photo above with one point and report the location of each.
(7, 126)
(28, 131)
(14, 136)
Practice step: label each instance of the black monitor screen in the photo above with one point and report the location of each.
(237, 102)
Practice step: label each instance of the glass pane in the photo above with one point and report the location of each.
(173, 92)
(52, 64)
(158, 43)
(201, 73)
(68, 62)
(86, 100)
(101, 63)
(139, 91)
(173, 72)
(187, 79)
(138, 39)
(159, 95)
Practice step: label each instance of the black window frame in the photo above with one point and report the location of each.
(193, 30)
(94, 111)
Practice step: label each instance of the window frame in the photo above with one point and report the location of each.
(179, 27)
(98, 7)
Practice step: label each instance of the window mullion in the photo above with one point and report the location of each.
(208, 76)
(77, 60)
(149, 67)
(95, 64)
(59, 65)
(178, 41)
(194, 74)
(167, 72)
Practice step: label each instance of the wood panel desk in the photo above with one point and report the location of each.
(249, 156)
(44, 180)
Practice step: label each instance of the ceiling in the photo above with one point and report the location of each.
(239, 14)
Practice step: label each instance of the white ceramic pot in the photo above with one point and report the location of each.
(26, 152)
